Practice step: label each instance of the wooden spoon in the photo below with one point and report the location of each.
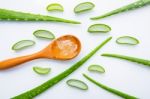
(63, 48)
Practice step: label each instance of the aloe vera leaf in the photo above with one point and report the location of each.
(11, 15)
(82, 7)
(127, 40)
(77, 84)
(129, 58)
(134, 5)
(114, 91)
(22, 44)
(43, 87)
(96, 68)
(55, 7)
(40, 70)
(99, 28)
(44, 34)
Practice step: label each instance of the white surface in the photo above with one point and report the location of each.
(126, 76)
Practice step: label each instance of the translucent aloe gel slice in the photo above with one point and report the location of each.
(127, 40)
(96, 68)
(82, 7)
(77, 84)
(96, 28)
(22, 44)
(40, 70)
(44, 34)
(55, 7)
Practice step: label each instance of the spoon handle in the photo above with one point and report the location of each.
(9, 63)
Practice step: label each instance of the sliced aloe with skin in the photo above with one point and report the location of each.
(77, 84)
(55, 7)
(96, 68)
(41, 70)
(44, 34)
(99, 28)
(82, 7)
(23, 44)
(128, 40)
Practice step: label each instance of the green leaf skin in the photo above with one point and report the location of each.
(10, 15)
(43, 87)
(114, 91)
(134, 5)
(129, 58)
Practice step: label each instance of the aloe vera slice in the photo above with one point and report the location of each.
(82, 7)
(44, 34)
(96, 28)
(77, 84)
(22, 44)
(96, 68)
(55, 7)
(40, 70)
(127, 40)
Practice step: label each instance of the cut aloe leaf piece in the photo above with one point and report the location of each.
(40, 70)
(77, 84)
(55, 7)
(44, 34)
(99, 28)
(127, 40)
(22, 44)
(112, 90)
(82, 7)
(96, 68)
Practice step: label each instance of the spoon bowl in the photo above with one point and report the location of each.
(63, 48)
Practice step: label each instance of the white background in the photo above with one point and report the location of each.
(126, 76)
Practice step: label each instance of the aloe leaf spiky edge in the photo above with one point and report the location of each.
(114, 91)
(134, 5)
(43, 87)
(10, 15)
(129, 58)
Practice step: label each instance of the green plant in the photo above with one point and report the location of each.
(133, 59)
(21, 16)
(55, 7)
(127, 40)
(22, 44)
(44, 34)
(114, 91)
(41, 70)
(82, 7)
(99, 28)
(137, 4)
(43, 87)
(77, 84)
(96, 68)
